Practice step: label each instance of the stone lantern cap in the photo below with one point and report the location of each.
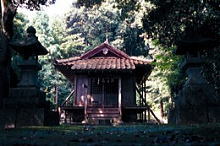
(195, 43)
(30, 46)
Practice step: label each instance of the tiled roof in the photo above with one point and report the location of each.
(103, 57)
(102, 63)
(64, 61)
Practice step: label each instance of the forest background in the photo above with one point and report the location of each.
(148, 29)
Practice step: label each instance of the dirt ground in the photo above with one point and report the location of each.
(142, 134)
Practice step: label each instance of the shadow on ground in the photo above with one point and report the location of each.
(109, 135)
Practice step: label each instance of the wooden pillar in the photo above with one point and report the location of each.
(75, 89)
(144, 87)
(57, 94)
(161, 108)
(148, 113)
(119, 95)
(85, 108)
(103, 94)
(142, 94)
(65, 119)
(142, 100)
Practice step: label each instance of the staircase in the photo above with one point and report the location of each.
(96, 115)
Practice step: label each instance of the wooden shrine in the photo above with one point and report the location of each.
(106, 81)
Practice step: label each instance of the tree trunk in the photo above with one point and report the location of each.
(4, 68)
(7, 13)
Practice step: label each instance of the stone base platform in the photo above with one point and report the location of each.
(26, 106)
(14, 118)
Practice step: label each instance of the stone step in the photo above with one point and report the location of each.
(103, 116)
(102, 110)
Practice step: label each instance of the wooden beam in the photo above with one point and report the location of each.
(68, 97)
(139, 92)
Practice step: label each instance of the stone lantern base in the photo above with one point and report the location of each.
(25, 107)
(195, 104)
(14, 118)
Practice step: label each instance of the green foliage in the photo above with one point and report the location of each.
(52, 35)
(170, 20)
(20, 24)
(89, 3)
(31, 4)
(165, 77)
(126, 7)
(95, 25)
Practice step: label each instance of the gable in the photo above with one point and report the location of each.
(104, 50)
(105, 53)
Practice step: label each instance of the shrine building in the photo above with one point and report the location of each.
(107, 85)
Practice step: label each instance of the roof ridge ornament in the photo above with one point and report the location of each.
(105, 51)
(106, 41)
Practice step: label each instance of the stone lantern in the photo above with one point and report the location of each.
(192, 48)
(196, 101)
(26, 105)
(29, 49)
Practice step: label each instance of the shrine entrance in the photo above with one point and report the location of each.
(104, 92)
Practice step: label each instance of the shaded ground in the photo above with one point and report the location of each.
(109, 135)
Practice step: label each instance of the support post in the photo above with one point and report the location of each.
(85, 108)
(144, 93)
(139, 92)
(68, 98)
(119, 96)
(57, 94)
